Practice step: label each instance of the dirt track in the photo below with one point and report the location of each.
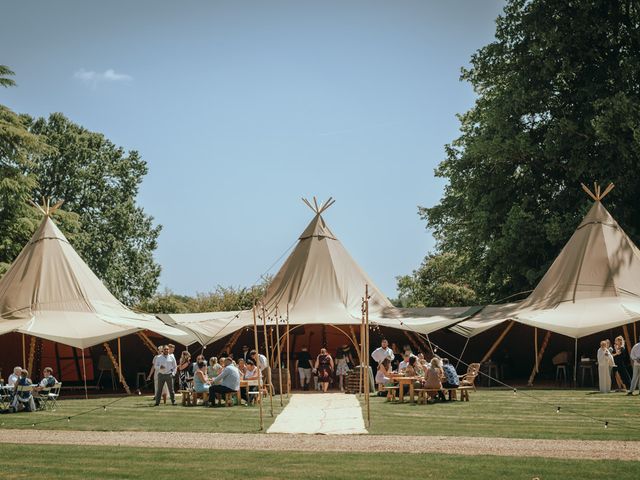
(576, 449)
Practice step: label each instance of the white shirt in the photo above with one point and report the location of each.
(634, 354)
(13, 378)
(379, 354)
(403, 365)
(166, 364)
(262, 362)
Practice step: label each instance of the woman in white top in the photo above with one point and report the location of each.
(383, 375)
(251, 372)
(165, 389)
(605, 362)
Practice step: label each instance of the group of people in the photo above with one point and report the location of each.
(436, 374)
(215, 377)
(323, 368)
(28, 400)
(612, 366)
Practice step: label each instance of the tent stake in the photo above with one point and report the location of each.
(255, 340)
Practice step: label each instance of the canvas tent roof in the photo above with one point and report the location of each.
(593, 284)
(51, 293)
(320, 283)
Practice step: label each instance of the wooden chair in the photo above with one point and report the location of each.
(469, 378)
(203, 395)
(392, 393)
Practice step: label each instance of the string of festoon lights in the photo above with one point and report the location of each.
(606, 423)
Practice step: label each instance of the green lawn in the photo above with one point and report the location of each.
(498, 413)
(136, 413)
(75, 462)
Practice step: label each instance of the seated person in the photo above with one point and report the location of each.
(451, 379)
(383, 375)
(214, 367)
(23, 400)
(251, 372)
(414, 369)
(47, 382)
(241, 366)
(404, 363)
(201, 382)
(227, 382)
(15, 376)
(432, 378)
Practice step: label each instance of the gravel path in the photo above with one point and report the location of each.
(510, 447)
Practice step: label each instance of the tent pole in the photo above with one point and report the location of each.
(362, 355)
(575, 365)
(535, 347)
(625, 331)
(635, 335)
(119, 360)
(24, 352)
(255, 340)
(497, 342)
(279, 352)
(367, 384)
(266, 351)
(462, 353)
(545, 342)
(84, 376)
(288, 357)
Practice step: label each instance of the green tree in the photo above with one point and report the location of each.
(558, 102)
(436, 283)
(5, 77)
(99, 182)
(17, 149)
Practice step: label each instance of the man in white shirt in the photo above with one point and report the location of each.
(382, 352)
(166, 367)
(261, 360)
(635, 363)
(15, 376)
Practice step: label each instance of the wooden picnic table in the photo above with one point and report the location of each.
(402, 381)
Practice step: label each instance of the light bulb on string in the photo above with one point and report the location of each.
(104, 408)
(558, 410)
(515, 391)
(68, 419)
(606, 424)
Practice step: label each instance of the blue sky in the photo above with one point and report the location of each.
(242, 107)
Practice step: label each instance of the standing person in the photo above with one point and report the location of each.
(620, 372)
(324, 367)
(166, 367)
(382, 352)
(303, 365)
(154, 372)
(605, 360)
(227, 382)
(635, 362)
(184, 367)
(246, 354)
(342, 367)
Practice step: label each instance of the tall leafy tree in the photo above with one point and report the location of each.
(99, 182)
(558, 102)
(17, 149)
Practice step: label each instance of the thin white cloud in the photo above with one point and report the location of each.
(94, 78)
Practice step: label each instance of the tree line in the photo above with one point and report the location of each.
(557, 103)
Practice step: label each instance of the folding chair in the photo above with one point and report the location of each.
(5, 396)
(19, 400)
(51, 399)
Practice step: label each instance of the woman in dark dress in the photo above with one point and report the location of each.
(620, 373)
(324, 367)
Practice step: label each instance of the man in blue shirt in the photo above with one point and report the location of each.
(451, 376)
(227, 382)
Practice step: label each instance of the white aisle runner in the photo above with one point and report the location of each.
(323, 413)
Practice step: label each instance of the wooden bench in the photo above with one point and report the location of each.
(186, 397)
(423, 393)
(392, 392)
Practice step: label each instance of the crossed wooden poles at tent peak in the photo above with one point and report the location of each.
(318, 210)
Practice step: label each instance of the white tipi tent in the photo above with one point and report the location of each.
(319, 283)
(49, 292)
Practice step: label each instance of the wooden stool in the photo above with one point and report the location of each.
(228, 398)
(195, 396)
(186, 397)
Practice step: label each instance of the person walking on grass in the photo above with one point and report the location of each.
(635, 363)
(166, 367)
